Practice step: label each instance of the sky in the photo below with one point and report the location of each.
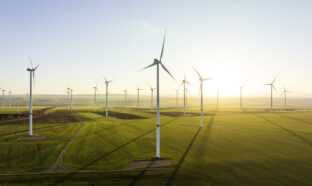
(76, 42)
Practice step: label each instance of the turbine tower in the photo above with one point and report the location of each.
(177, 95)
(272, 87)
(68, 96)
(3, 92)
(106, 101)
(10, 93)
(285, 92)
(201, 96)
(125, 97)
(152, 93)
(138, 89)
(184, 83)
(157, 63)
(95, 91)
(32, 77)
(71, 98)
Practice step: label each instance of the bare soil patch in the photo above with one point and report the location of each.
(149, 165)
(120, 115)
(32, 138)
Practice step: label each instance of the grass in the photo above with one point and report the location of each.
(29, 156)
(234, 147)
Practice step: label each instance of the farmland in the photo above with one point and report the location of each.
(234, 147)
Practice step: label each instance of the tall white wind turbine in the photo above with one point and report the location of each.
(71, 98)
(201, 96)
(184, 83)
(95, 91)
(10, 99)
(152, 94)
(157, 63)
(177, 95)
(3, 92)
(272, 87)
(138, 89)
(68, 97)
(125, 91)
(106, 101)
(32, 77)
(285, 97)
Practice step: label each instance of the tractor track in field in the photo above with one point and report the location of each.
(59, 168)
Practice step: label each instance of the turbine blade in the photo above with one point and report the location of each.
(163, 46)
(197, 73)
(148, 66)
(274, 80)
(105, 78)
(36, 67)
(274, 88)
(163, 66)
(30, 62)
(208, 78)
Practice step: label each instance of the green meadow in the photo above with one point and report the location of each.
(250, 147)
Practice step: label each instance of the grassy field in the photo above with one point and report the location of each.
(234, 147)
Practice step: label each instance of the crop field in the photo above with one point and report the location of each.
(234, 147)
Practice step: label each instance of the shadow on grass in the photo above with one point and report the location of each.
(120, 115)
(137, 178)
(206, 136)
(109, 153)
(297, 119)
(173, 174)
(304, 140)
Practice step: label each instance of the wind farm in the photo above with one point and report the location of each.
(191, 100)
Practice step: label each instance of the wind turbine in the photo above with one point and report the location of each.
(10, 93)
(241, 97)
(106, 101)
(157, 63)
(152, 93)
(285, 92)
(32, 77)
(184, 83)
(71, 98)
(95, 90)
(3, 91)
(138, 89)
(68, 93)
(177, 95)
(201, 96)
(125, 97)
(272, 87)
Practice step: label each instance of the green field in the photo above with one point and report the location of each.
(234, 147)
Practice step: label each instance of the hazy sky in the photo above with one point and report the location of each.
(245, 42)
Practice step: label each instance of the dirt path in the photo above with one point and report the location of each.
(58, 167)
